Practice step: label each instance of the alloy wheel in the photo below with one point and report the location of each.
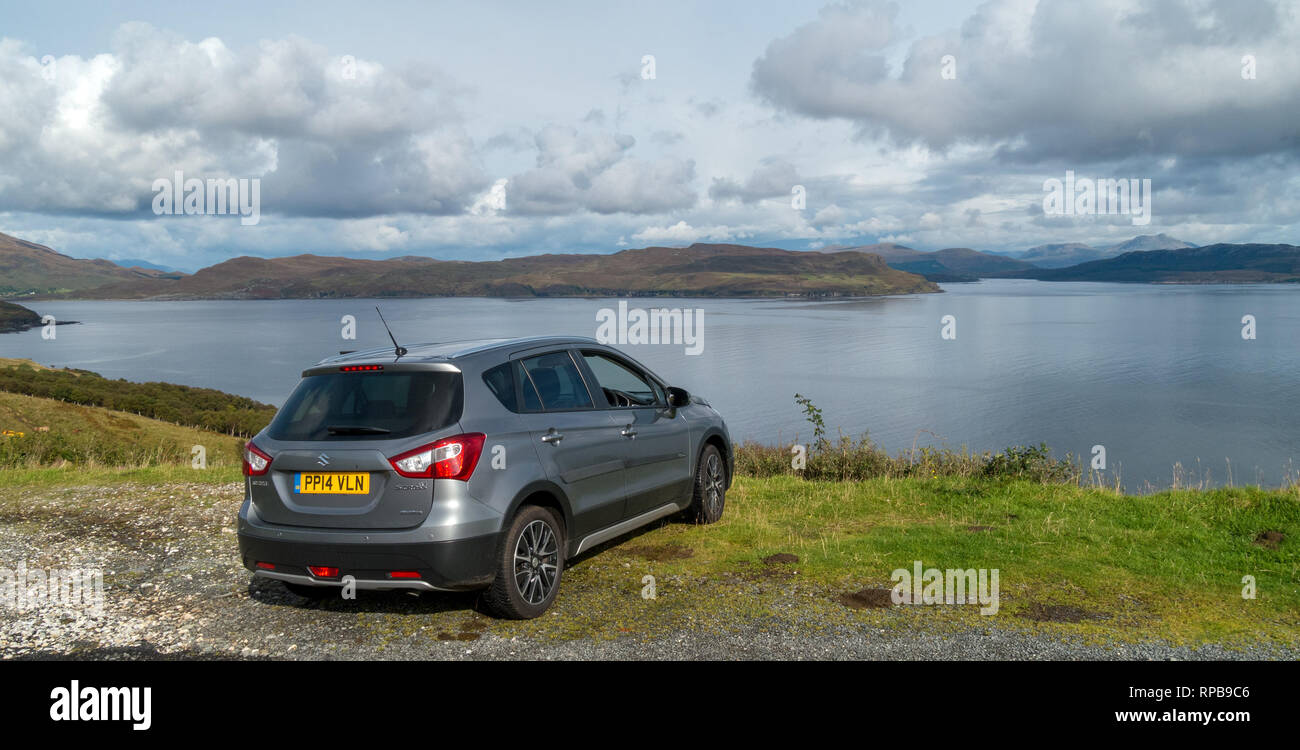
(714, 482)
(536, 562)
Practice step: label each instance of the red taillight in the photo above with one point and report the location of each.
(256, 463)
(449, 458)
(265, 565)
(404, 574)
(321, 571)
(361, 368)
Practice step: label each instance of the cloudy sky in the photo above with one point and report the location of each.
(381, 129)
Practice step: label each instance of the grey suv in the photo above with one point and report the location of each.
(472, 465)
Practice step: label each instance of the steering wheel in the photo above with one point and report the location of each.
(620, 399)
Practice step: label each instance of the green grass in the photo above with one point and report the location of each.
(1158, 567)
(198, 407)
(43, 433)
(85, 476)
(1166, 565)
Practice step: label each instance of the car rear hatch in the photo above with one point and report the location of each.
(331, 445)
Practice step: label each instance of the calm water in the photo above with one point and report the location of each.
(1156, 374)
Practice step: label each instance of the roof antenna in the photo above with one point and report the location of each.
(401, 350)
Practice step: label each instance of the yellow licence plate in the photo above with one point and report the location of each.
(332, 483)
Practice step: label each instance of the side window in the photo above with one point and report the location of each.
(559, 385)
(622, 385)
(501, 381)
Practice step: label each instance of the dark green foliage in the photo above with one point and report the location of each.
(17, 318)
(857, 460)
(814, 416)
(1034, 463)
(193, 407)
(862, 459)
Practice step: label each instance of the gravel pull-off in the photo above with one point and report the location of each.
(174, 589)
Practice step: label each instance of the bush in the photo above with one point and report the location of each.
(192, 407)
(850, 460)
(854, 461)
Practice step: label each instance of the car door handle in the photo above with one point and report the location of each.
(552, 437)
(628, 432)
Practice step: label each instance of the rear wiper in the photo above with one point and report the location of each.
(356, 430)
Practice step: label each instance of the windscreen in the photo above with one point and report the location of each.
(369, 405)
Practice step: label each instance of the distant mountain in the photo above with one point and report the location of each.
(27, 268)
(1067, 254)
(951, 264)
(1059, 255)
(887, 250)
(703, 270)
(1147, 242)
(960, 264)
(147, 268)
(1222, 263)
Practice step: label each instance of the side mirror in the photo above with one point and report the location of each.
(677, 397)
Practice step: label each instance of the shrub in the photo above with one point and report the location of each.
(192, 407)
(852, 460)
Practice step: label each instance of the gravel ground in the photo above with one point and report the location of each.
(174, 589)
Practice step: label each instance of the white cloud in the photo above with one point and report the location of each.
(682, 233)
(95, 133)
(586, 170)
(371, 156)
(1094, 80)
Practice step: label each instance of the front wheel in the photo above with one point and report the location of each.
(710, 487)
(529, 563)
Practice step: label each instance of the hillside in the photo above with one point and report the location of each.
(699, 270)
(16, 318)
(1067, 254)
(29, 268)
(1060, 255)
(1222, 263)
(147, 267)
(45, 432)
(198, 407)
(951, 264)
(1145, 242)
(960, 264)
(889, 251)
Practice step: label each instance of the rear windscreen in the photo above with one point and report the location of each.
(367, 405)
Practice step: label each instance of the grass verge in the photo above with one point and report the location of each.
(41, 432)
(818, 558)
(1078, 560)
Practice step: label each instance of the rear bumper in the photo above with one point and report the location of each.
(369, 557)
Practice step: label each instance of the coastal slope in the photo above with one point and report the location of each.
(701, 270)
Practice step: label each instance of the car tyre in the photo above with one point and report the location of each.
(530, 563)
(710, 487)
